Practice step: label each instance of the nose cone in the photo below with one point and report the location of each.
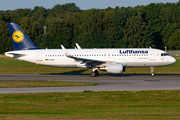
(173, 60)
(169, 60)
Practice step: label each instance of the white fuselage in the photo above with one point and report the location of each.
(145, 57)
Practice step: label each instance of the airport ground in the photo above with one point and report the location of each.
(151, 98)
(115, 97)
(91, 105)
(123, 82)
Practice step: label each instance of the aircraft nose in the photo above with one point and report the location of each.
(170, 60)
(173, 60)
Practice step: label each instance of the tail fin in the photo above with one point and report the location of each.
(19, 39)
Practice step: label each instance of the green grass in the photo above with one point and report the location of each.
(92, 105)
(11, 66)
(20, 84)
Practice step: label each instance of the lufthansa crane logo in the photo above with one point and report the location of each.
(18, 36)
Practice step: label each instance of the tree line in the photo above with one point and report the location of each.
(155, 25)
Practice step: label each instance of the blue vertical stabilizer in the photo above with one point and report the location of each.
(19, 39)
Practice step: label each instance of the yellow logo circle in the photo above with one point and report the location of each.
(18, 36)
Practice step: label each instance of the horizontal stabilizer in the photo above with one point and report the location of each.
(14, 54)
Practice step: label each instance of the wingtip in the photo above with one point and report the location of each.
(65, 51)
(62, 47)
(77, 45)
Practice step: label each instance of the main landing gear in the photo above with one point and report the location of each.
(95, 73)
(152, 71)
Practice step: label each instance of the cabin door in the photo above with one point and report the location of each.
(152, 55)
(39, 56)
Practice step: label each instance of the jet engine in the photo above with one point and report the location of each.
(115, 68)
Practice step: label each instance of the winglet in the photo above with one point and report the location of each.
(65, 51)
(78, 47)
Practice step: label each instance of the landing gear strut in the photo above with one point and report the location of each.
(95, 73)
(152, 71)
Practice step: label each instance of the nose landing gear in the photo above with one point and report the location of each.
(152, 71)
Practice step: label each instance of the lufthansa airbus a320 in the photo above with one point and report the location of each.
(113, 61)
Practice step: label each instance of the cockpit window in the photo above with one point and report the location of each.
(164, 54)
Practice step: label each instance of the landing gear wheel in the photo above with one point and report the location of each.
(152, 71)
(94, 74)
(152, 74)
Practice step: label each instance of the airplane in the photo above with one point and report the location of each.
(114, 61)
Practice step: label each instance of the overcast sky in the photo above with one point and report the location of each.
(82, 4)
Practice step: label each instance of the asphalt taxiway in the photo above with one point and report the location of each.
(106, 82)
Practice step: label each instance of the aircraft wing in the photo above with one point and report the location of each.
(92, 62)
(85, 60)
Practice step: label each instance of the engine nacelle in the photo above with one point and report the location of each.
(115, 68)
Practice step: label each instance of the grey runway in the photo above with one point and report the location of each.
(106, 83)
